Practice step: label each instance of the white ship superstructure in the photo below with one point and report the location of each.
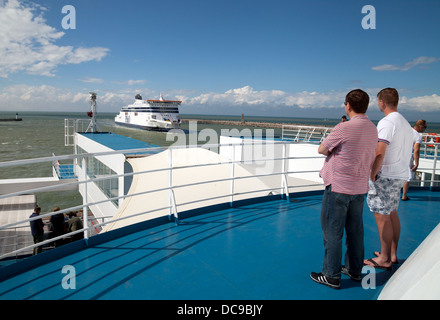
(161, 115)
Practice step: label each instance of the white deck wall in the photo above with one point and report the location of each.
(245, 150)
(94, 194)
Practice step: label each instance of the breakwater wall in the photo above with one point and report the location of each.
(11, 119)
(254, 124)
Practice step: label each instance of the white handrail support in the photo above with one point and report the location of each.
(85, 200)
(233, 174)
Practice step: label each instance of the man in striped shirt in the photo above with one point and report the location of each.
(350, 149)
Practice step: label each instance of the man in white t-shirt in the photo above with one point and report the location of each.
(418, 128)
(389, 173)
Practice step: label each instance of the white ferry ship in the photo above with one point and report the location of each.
(159, 115)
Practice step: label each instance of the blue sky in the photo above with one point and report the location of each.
(268, 58)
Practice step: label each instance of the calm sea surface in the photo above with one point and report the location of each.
(42, 135)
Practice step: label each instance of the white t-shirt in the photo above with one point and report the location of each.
(417, 137)
(395, 131)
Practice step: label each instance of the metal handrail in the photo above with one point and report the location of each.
(79, 207)
(299, 133)
(169, 188)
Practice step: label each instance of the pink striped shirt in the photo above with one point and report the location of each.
(352, 145)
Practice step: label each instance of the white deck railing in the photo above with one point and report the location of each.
(283, 188)
(297, 133)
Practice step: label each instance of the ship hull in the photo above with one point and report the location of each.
(147, 127)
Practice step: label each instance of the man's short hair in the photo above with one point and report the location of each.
(358, 100)
(421, 123)
(390, 96)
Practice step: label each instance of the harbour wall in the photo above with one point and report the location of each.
(256, 124)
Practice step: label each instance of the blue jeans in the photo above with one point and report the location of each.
(342, 211)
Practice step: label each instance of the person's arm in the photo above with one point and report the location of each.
(323, 150)
(416, 156)
(331, 141)
(380, 155)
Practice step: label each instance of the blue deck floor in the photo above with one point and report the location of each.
(252, 252)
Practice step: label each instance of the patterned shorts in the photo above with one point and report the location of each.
(384, 195)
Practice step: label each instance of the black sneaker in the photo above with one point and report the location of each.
(322, 279)
(345, 271)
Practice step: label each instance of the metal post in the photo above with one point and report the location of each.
(93, 126)
(434, 165)
(174, 206)
(171, 197)
(284, 182)
(231, 197)
(170, 182)
(85, 201)
(282, 171)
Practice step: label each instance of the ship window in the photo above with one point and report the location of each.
(97, 169)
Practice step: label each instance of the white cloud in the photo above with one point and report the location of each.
(130, 82)
(248, 96)
(422, 104)
(407, 66)
(27, 43)
(281, 100)
(24, 97)
(135, 82)
(49, 98)
(92, 80)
